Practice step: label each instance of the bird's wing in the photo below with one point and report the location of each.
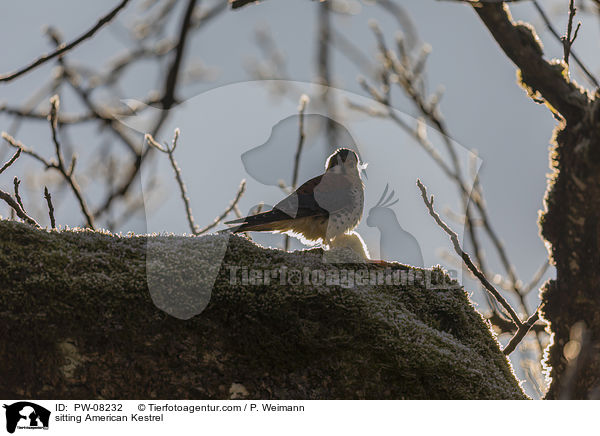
(320, 196)
(317, 197)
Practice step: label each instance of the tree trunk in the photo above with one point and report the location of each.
(570, 224)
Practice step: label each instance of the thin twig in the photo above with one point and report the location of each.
(410, 76)
(572, 53)
(301, 137)
(404, 20)
(465, 257)
(324, 70)
(48, 198)
(101, 115)
(112, 123)
(567, 40)
(42, 116)
(522, 328)
(16, 183)
(65, 47)
(536, 278)
(505, 325)
(231, 206)
(10, 161)
(182, 189)
(347, 47)
(35, 98)
(17, 208)
(19, 145)
(521, 332)
(60, 166)
(301, 108)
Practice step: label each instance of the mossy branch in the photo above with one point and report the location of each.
(325, 341)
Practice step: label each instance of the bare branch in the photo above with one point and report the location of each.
(301, 108)
(67, 173)
(523, 330)
(182, 189)
(404, 20)
(17, 208)
(324, 69)
(553, 31)
(98, 112)
(169, 98)
(506, 326)
(567, 40)
(63, 48)
(536, 278)
(42, 116)
(520, 43)
(18, 145)
(465, 257)
(60, 166)
(153, 143)
(232, 206)
(347, 47)
(11, 161)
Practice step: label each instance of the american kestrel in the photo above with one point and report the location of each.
(320, 210)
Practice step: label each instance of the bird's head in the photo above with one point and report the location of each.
(344, 160)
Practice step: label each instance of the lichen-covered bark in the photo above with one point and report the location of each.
(77, 321)
(571, 221)
(571, 224)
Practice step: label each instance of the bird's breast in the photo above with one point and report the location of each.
(348, 217)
